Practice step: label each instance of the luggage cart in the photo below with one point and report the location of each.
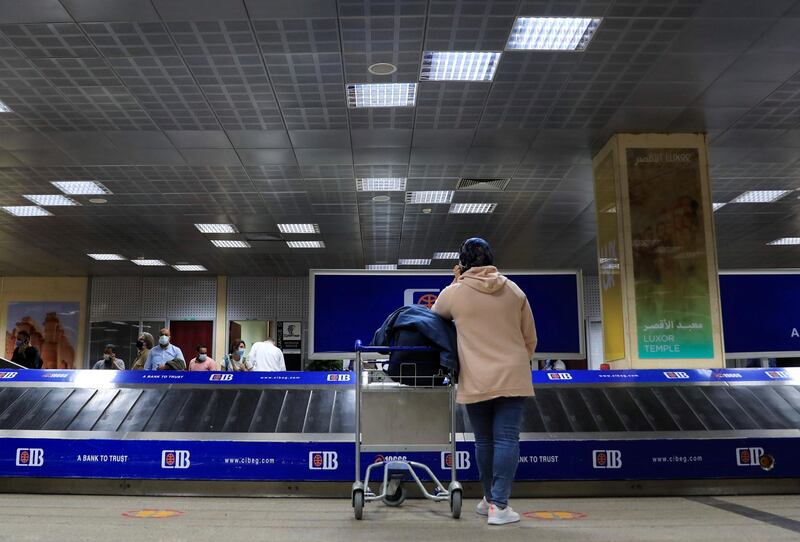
(403, 418)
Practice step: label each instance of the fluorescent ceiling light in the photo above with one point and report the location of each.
(429, 196)
(381, 95)
(149, 263)
(459, 65)
(718, 206)
(81, 188)
(107, 257)
(761, 196)
(472, 208)
(381, 184)
(186, 267)
(229, 243)
(4, 108)
(382, 266)
(26, 210)
(445, 256)
(298, 228)
(552, 33)
(413, 261)
(50, 200)
(305, 244)
(216, 228)
(786, 241)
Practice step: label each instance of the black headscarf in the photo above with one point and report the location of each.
(475, 252)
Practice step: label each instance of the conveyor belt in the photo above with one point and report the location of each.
(555, 409)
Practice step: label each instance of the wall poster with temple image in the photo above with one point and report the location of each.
(670, 260)
(53, 328)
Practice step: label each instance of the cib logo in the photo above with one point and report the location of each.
(559, 376)
(175, 459)
(606, 459)
(339, 378)
(323, 460)
(777, 375)
(221, 377)
(462, 460)
(676, 375)
(749, 457)
(30, 457)
(7, 375)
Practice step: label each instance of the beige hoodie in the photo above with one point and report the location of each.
(496, 334)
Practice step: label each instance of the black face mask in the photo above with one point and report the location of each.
(140, 345)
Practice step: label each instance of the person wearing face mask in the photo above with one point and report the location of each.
(237, 360)
(144, 344)
(165, 356)
(110, 360)
(25, 353)
(202, 362)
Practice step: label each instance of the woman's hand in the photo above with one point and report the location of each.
(456, 272)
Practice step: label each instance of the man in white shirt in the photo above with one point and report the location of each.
(265, 356)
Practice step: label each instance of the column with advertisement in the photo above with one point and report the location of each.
(609, 255)
(667, 259)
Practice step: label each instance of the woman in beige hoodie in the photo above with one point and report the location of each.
(496, 341)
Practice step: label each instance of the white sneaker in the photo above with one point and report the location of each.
(501, 517)
(482, 508)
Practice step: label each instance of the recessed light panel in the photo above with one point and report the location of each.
(50, 200)
(305, 244)
(552, 33)
(229, 243)
(186, 267)
(718, 206)
(26, 210)
(381, 184)
(459, 65)
(298, 228)
(761, 196)
(414, 261)
(381, 95)
(216, 228)
(472, 208)
(81, 188)
(445, 256)
(107, 257)
(786, 241)
(429, 197)
(382, 266)
(4, 108)
(149, 263)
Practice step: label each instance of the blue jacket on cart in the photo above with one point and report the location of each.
(419, 326)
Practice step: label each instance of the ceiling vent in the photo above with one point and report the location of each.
(483, 185)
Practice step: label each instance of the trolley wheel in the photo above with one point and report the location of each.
(397, 499)
(455, 503)
(358, 503)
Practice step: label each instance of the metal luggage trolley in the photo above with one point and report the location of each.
(403, 418)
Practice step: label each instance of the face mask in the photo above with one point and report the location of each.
(201, 357)
(107, 357)
(240, 352)
(163, 340)
(18, 343)
(140, 345)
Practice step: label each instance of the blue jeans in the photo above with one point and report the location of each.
(496, 425)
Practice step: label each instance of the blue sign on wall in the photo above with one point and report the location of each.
(349, 306)
(760, 313)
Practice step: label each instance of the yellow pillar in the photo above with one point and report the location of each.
(657, 258)
(221, 321)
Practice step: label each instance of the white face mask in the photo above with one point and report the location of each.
(201, 357)
(106, 357)
(240, 352)
(163, 340)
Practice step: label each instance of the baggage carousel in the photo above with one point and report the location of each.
(613, 428)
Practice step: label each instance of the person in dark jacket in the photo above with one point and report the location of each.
(25, 353)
